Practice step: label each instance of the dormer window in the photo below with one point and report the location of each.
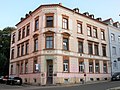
(118, 25)
(111, 22)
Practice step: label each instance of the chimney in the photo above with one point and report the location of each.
(86, 13)
(76, 10)
(60, 4)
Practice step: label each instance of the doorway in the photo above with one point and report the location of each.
(49, 71)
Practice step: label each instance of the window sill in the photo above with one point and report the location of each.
(49, 49)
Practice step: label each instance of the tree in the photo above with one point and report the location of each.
(5, 36)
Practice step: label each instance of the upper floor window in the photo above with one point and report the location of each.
(79, 27)
(13, 38)
(49, 20)
(119, 39)
(102, 35)
(65, 65)
(12, 54)
(65, 43)
(49, 42)
(90, 48)
(81, 66)
(27, 48)
(113, 50)
(36, 44)
(96, 49)
(18, 51)
(65, 22)
(104, 50)
(28, 30)
(95, 32)
(19, 34)
(89, 31)
(23, 32)
(22, 49)
(80, 46)
(112, 37)
(37, 24)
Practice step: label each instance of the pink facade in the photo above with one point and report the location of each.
(55, 44)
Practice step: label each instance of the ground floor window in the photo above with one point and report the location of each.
(91, 67)
(104, 67)
(65, 65)
(81, 66)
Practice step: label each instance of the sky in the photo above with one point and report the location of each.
(12, 10)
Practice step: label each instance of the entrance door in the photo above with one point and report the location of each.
(49, 72)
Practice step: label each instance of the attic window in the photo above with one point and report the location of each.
(111, 22)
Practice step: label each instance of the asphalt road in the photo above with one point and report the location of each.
(95, 86)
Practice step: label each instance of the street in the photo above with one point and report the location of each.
(95, 86)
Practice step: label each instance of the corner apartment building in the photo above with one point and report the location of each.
(54, 44)
(114, 42)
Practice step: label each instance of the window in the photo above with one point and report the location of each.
(96, 49)
(28, 30)
(104, 67)
(91, 67)
(19, 34)
(81, 66)
(36, 23)
(21, 67)
(114, 50)
(13, 38)
(65, 43)
(36, 44)
(79, 27)
(65, 65)
(34, 65)
(95, 32)
(49, 20)
(104, 50)
(90, 49)
(119, 39)
(80, 46)
(112, 37)
(102, 35)
(97, 67)
(26, 66)
(27, 48)
(11, 69)
(65, 23)
(22, 49)
(18, 51)
(89, 32)
(115, 64)
(12, 54)
(23, 32)
(49, 42)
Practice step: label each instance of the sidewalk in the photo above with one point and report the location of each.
(62, 85)
(116, 88)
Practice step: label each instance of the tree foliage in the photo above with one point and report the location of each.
(5, 36)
